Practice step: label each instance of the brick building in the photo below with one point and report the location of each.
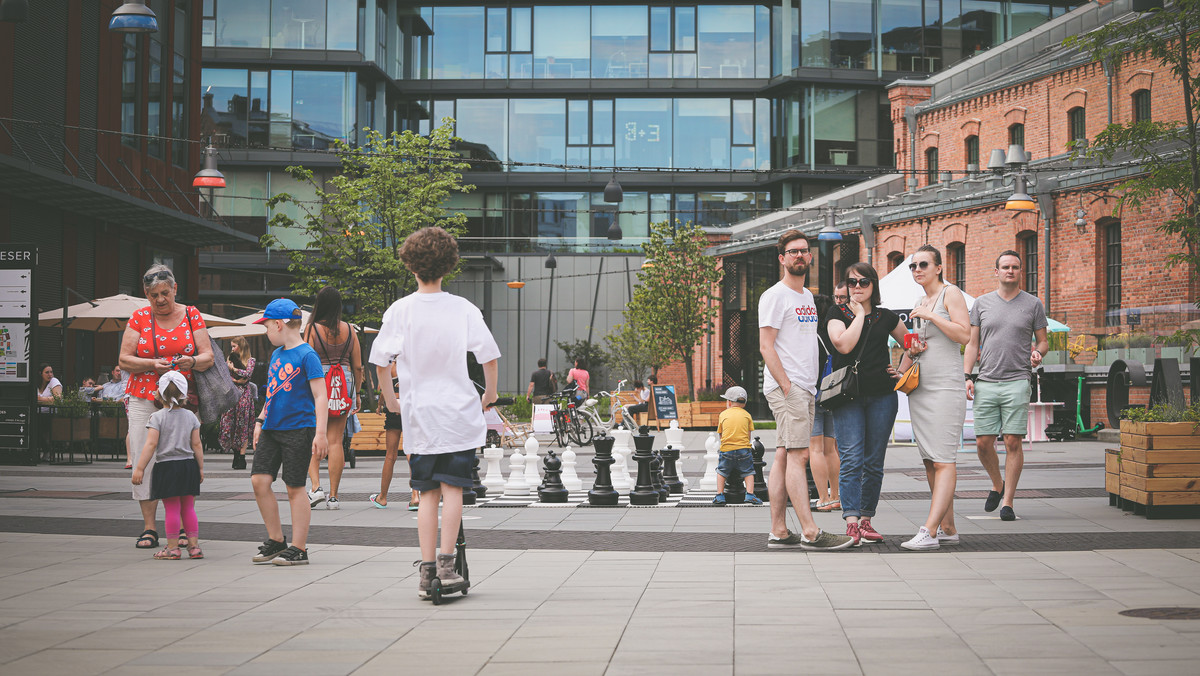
(1098, 270)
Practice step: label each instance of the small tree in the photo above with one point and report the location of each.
(387, 189)
(1168, 150)
(674, 300)
(632, 353)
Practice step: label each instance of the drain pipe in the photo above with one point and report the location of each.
(1046, 208)
(910, 116)
(1110, 70)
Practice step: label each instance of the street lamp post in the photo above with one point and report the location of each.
(826, 239)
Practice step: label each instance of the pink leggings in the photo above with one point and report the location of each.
(180, 508)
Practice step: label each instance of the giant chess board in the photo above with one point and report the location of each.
(689, 498)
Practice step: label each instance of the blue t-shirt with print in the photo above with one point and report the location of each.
(290, 404)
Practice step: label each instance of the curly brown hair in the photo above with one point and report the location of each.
(430, 253)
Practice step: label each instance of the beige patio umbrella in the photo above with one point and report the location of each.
(249, 328)
(109, 314)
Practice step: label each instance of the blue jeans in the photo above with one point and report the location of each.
(863, 429)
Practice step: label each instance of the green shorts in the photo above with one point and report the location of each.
(1002, 408)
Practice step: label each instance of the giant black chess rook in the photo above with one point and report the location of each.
(603, 494)
(671, 478)
(643, 493)
(656, 471)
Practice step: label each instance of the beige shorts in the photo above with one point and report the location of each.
(139, 414)
(793, 416)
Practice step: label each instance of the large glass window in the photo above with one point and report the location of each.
(901, 33)
(538, 132)
(725, 41)
(561, 39)
(280, 132)
(1025, 16)
(834, 126)
(982, 25)
(180, 44)
(298, 24)
(458, 43)
(482, 124)
(702, 128)
(342, 33)
(130, 71)
(851, 32)
(620, 42)
(322, 108)
(242, 23)
(814, 33)
(226, 105)
(643, 132)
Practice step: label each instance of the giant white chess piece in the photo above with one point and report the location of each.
(494, 479)
(621, 479)
(674, 435)
(516, 475)
(570, 477)
(532, 477)
(711, 446)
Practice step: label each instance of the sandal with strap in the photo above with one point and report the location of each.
(149, 537)
(183, 539)
(168, 554)
(195, 552)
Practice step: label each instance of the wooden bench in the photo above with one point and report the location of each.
(630, 399)
(372, 438)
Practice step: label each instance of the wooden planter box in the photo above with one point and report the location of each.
(694, 414)
(373, 438)
(70, 429)
(1157, 469)
(112, 428)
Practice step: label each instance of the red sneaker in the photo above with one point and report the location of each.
(853, 531)
(869, 534)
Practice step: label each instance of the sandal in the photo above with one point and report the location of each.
(149, 537)
(183, 540)
(195, 552)
(168, 554)
(374, 500)
(828, 506)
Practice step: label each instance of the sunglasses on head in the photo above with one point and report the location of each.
(160, 276)
(918, 264)
(857, 281)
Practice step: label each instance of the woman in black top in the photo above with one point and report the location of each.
(859, 332)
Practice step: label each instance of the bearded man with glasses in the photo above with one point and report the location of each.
(787, 337)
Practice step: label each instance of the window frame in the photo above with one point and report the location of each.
(1029, 254)
(1112, 272)
(931, 165)
(1016, 134)
(971, 149)
(1076, 126)
(957, 253)
(1142, 108)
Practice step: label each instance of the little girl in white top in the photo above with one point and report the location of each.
(173, 434)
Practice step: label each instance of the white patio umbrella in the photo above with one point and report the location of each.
(247, 327)
(109, 314)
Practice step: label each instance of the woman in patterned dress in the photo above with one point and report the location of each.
(160, 337)
(238, 422)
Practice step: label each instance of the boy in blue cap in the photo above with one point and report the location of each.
(428, 335)
(290, 431)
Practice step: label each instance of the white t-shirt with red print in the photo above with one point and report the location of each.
(794, 313)
(155, 343)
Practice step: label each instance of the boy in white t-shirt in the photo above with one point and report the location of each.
(427, 334)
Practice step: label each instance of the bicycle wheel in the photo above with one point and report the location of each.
(560, 428)
(581, 429)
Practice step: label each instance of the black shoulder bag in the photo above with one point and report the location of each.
(841, 387)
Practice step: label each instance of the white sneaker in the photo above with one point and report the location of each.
(332, 503)
(316, 497)
(944, 539)
(921, 541)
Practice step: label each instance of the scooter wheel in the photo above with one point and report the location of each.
(435, 592)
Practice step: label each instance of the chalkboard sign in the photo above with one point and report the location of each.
(664, 403)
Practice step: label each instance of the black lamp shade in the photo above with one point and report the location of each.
(613, 193)
(133, 17)
(209, 177)
(614, 230)
(551, 262)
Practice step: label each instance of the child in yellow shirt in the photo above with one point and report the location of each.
(735, 426)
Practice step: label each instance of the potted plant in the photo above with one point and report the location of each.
(1111, 348)
(111, 422)
(1057, 352)
(1180, 345)
(69, 417)
(1157, 465)
(1139, 347)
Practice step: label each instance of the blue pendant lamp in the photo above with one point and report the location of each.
(133, 17)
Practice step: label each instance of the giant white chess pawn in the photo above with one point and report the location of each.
(621, 479)
(570, 477)
(532, 477)
(711, 445)
(516, 475)
(494, 479)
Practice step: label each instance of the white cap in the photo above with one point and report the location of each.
(735, 393)
(173, 377)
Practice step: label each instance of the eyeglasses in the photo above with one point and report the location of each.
(796, 252)
(160, 276)
(920, 264)
(861, 282)
(840, 299)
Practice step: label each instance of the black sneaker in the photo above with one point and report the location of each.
(292, 556)
(993, 500)
(1007, 514)
(269, 550)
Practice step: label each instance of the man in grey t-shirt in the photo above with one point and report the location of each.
(1004, 327)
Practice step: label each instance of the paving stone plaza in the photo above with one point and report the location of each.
(576, 590)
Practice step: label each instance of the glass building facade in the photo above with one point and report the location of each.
(710, 112)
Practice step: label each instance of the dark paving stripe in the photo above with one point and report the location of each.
(1031, 493)
(611, 541)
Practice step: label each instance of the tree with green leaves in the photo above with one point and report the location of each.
(674, 301)
(633, 353)
(1168, 150)
(387, 188)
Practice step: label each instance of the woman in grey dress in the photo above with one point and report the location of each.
(939, 404)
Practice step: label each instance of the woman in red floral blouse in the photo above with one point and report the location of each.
(160, 337)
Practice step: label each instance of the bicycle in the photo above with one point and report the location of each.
(600, 426)
(568, 424)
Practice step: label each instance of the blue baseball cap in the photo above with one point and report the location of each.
(280, 308)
